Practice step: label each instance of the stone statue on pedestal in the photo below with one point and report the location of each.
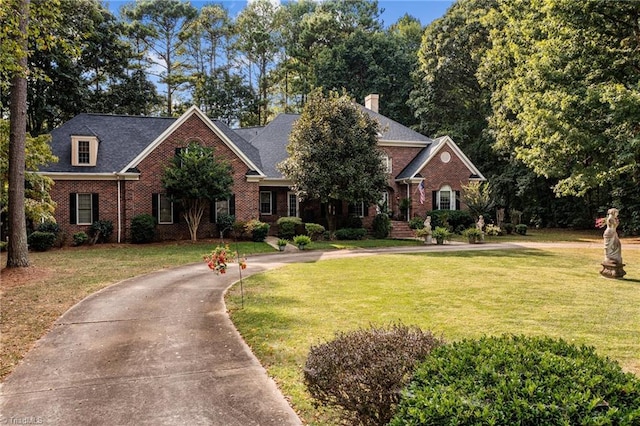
(612, 267)
(427, 228)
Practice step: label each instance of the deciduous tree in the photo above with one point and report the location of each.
(195, 179)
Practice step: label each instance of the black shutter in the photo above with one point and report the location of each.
(73, 199)
(323, 210)
(434, 200)
(95, 206)
(274, 202)
(338, 207)
(154, 207)
(176, 211)
(232, 205)
(365, 209)
(351, 209)
(457, 200)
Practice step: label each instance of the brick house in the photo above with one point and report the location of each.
(110, 168)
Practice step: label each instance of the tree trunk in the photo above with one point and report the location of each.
(17, 250)
(193, 216)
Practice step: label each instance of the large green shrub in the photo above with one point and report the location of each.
(362, 372)
(101, 230)
(381, 226)
(455, 220)
(521, 229)
(49, 226)
(351, 233)
(41, 241)
(314, 230)
(519, 380)
(258, 230)
(289, 226)
(143, 229)
(416, 222)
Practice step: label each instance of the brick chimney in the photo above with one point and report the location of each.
(371, 102)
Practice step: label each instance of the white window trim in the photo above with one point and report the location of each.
(93, 150)
(78, 208)
(362, 207)
(270, 203)
(297, 206)
(160, 213)
(452, 198)
(388, 163)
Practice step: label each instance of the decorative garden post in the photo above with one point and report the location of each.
(612, 267)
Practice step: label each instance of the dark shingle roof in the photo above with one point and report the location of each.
(121, 139)
(393, 131)
(249, 150)
(272, 143)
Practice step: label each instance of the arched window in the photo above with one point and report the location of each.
(446, 199)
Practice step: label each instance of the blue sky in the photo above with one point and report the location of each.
(425, 10)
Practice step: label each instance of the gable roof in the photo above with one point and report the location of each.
(272, 143)
(429, 152)
(227, 136)
(392, 131)
(120, 138)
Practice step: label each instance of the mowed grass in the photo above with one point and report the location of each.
(554, 292)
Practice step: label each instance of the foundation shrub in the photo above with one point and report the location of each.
(362, 372)
(455, 220)
(521, 229)
(79, 238)
(100, 231)
(314, 230)
(351, 233)
(143, 229)
(417, 222)
(381, 226)
(41, 241)
(224, 224)
(288, 227)
(258, 230)
(519, 380)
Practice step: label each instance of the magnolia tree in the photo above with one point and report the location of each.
(195, 179)
(333, 153)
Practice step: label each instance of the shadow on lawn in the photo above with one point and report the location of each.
(511, 253)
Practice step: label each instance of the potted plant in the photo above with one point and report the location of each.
(301, 241)
(282, 243)
(441, 234)
(473, 234)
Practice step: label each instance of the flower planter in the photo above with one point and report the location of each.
(439, 241)
(281, 248)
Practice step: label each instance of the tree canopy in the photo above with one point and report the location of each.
(195, 179)
(333, 152)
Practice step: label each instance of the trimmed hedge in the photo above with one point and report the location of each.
(259, 230)
(455, 220)
(288, 227)
(143, 229)
(363, 372)
(41, 241)
(519, 380)
(351, 233)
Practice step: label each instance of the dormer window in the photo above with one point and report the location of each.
(84, 151)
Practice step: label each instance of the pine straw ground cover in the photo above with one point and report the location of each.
(550, 292)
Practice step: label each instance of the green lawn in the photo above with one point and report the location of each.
(554, 292)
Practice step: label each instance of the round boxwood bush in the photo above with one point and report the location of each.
(519, 380)
(101, 230)
(143, 229)
(288, 227)
(41, 241)
(363, 372)
(258, 230)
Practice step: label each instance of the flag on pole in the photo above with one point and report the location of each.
(421, 189)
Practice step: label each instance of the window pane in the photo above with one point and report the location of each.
(84, 209)
(222, 207)
(265, 202)
(445, 200)
(293, 205)
(165, 207)
(83, 152)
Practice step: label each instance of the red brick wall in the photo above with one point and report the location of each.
(108, 203)
(136, 196)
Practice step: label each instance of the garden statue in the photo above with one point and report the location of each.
(612, 267)
(427, 230)
(480, 226)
